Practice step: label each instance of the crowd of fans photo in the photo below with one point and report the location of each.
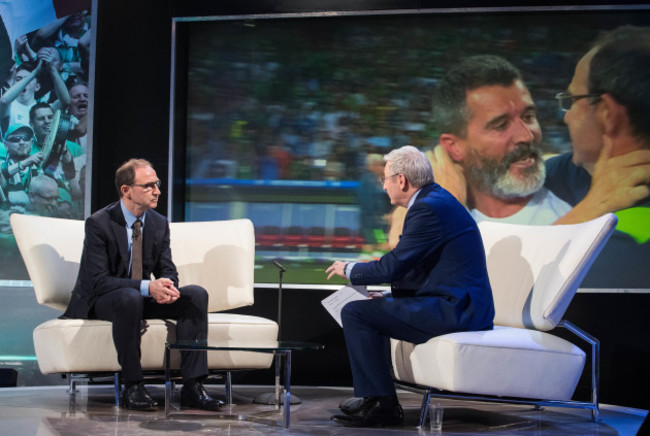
(48, 77)
(42, 169)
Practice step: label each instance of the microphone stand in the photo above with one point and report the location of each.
(271, 397)
(280, 272)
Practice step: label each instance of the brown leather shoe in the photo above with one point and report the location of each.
(372, 414)
(136, 397)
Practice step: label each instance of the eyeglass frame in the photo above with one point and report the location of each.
(383, 179)
(147, 186)
(562, 96)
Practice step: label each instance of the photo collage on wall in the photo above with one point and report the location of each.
(44, 110)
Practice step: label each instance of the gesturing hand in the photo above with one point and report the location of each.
(337, 268)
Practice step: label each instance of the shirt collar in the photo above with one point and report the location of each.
(129, 217)
(412, 200)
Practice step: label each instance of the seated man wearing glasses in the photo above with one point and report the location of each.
(125, 244)
(489, 126)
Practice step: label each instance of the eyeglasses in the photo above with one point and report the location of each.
(148, 186)
(383, 179)
(565, 100)
(17, 138)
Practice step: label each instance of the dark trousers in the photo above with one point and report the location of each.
(368, 326)
(126, 308)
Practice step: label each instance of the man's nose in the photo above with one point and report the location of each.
(524, 132)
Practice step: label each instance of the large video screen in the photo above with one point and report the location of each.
(288, 117)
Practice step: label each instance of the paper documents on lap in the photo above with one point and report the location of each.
(335, 302)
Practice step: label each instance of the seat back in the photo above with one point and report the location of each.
(218, 255)
(51, 249)
(535, 270)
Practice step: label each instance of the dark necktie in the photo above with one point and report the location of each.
(136, 251)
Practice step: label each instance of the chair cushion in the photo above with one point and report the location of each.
(80, 345)
(504, 362)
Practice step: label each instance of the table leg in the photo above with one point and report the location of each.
(228, 387)
(287, 388)
(168, 383)
(278, 366)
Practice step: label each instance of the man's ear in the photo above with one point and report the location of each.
(403, 182)
(125, 190)
(612, 116)
(453, 145)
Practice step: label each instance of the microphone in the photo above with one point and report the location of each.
(279, 265)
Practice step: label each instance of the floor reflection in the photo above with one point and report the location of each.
(48, 411)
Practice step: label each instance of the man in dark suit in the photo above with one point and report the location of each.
(113, 286)
(438, 279)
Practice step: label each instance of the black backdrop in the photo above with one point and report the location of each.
(132, 120)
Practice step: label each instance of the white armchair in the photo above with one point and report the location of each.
(534, 271)
(218, 255)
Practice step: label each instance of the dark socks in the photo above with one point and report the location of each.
(192, 381)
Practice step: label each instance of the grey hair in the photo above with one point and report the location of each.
(412, 163)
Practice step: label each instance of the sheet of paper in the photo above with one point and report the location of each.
(335, 302)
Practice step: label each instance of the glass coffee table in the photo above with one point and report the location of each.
(280, 349)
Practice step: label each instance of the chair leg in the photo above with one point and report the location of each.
(116, 388)
(72, 385)
(595, 365)
(228, 388)
(72, 394)
(424, 409)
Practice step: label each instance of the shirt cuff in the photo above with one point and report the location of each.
(347, 270)
(144, 288)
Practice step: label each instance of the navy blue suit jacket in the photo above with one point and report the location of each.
(440, 261)
(105, 258)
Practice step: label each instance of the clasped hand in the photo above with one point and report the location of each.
(163, 291)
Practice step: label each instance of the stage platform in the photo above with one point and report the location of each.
(47, 411)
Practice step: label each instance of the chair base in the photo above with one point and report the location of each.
(429, 392)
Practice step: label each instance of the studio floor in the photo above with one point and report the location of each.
(48, 411)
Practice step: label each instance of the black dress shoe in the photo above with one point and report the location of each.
(353, 405)
(194, 396)
(136, 397)
(373, 414)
